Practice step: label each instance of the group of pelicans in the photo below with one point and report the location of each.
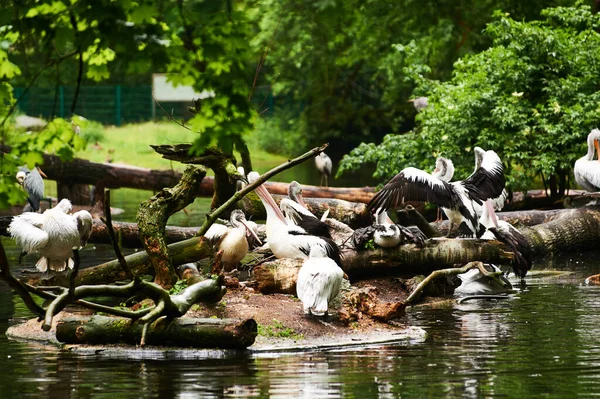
(292, 231)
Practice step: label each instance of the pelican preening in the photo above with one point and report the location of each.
(289, 241)
(296, 213)
(53, 234)
(232, 240)
(475, 283)
(318, 282)
(587, 170)
(456, 198)
(33, 184)
(324, 166)
(386, 234)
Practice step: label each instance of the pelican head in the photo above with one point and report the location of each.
(65, 205)
(21, 177)
(295, 193)
(238, 219)
(444, 169)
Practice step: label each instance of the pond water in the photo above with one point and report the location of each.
(543, 342)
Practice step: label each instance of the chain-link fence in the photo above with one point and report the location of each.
(113, 105)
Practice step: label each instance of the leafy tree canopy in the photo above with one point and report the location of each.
(532, 97)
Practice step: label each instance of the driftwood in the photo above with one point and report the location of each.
(188, 332)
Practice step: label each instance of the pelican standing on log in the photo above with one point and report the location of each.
(53, 234)
(456, 198)
(33, 184)
(290, 241)
(232, 240)
(587, 170)
(319, 281)
(324, 166)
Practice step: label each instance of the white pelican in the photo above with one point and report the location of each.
(296, 213)
(475, 283)
(456, 198)
(386, 234)
(289, 241)
(53, 234)
(587, 170)
(324, 166)
(319, 281)
(33, 184)
(506, 233)
(232, 240)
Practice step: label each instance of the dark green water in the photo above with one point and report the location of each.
(545, 342)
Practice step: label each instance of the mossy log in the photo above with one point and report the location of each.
(182, 332)
(152, 219)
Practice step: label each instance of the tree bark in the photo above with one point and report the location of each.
(187, 332)
(152, 219)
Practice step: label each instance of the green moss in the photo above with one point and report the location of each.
(278, 330)
(179, 286)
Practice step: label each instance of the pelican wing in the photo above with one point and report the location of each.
(488, 180)
(26, 230)
(587, 174)
(298, 215)
(216, 231)
(413, 184)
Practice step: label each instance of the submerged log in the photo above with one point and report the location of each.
(182, 332)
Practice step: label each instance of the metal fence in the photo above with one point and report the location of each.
(112, 105)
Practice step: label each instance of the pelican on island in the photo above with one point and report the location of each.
(587, 170)
(33, 184)
(456, 199)
(53, 234)
(232, 240)
(290, 241)
(319, 281)
(295, 211)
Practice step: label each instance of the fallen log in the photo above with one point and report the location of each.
(279, 276)
(183, 332)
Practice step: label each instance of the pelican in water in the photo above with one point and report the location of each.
(319, 281)
(456, 198)
(324, 166)
(232, 240)
(587, 170)
(53, 234)
(33, 184)
(290, 241)
(475, 283)
(295, 211)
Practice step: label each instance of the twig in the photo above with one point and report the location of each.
(113, 237)
(211, 217)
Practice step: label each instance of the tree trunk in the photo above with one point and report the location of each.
(79, 194)
(152, 219)
(186, 332)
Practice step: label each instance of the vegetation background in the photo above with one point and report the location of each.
(517, 77)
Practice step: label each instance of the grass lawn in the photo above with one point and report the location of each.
(130, 144)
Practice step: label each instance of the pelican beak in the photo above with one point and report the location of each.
(41, 172)
(251, 232)
(597, 145)
(262, 192)
(300, 199)
(490, 209)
